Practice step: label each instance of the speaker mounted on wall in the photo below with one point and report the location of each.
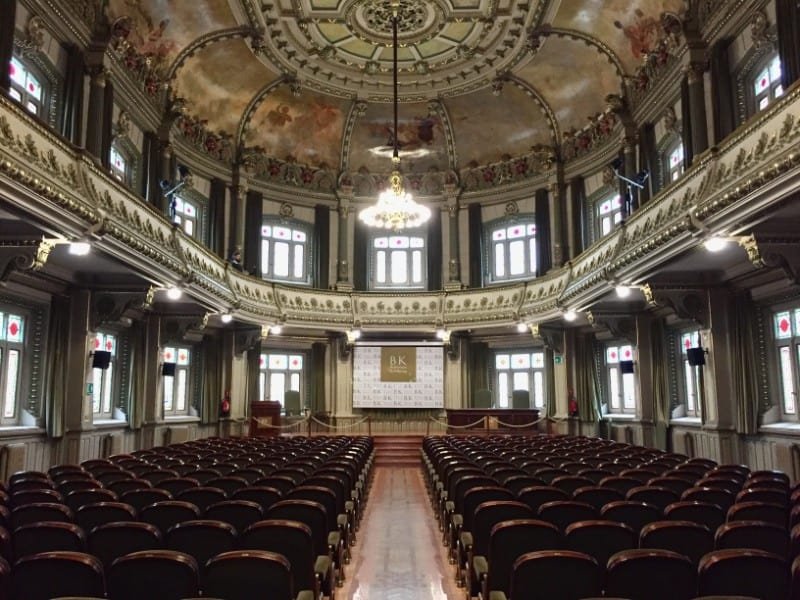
(168, 369)
(101, 359)
(626, 366)
(696, 356)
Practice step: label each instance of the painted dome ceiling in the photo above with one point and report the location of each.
(309, 82)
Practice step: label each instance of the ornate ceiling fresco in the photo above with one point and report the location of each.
(307, 83)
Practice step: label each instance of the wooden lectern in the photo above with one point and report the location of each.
(265, 418)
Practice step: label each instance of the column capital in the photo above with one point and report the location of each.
(694, 71)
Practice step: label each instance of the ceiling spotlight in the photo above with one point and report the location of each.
(522, 328)
(79, 248)
(174, 293)
(441, 333)
(570, 315)
(623, 291)
(226, 317)
(276, 329)
(715, 243)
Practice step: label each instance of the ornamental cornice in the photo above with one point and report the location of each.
(66, 193)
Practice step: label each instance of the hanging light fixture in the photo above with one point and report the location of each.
(395, 208)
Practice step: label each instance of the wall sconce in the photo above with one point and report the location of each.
(443, 334)
(353, 335)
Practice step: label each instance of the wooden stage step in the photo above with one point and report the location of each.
(398, 450)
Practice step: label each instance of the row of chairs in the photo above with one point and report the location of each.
(309, 527)
(479, 483)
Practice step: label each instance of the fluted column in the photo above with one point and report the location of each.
(453, 281)
(556, 228)
(344, 262)
(95, 120)
(697, 106)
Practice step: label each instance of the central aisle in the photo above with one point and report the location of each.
(399, 553)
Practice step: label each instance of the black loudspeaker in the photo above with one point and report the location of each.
(696, 356)
(168, 369)
(101, 359)
(626, 366)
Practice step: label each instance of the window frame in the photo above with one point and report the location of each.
(132, 157)
(6, 348)
(529, 248)
(592, 210)
(690, 376)
(200, 203)
(538, 401)
(757, 57)
(792, 344)
(109, 382)
(774, 89)
(181, 370)
(670, 173)
(38, 64)
(265, 373)
(614, 379)
(266, 253)
(374, 258)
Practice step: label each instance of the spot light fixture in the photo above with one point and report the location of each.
(522, 327)
(79, 248)
(570, 315)
(174, 293)
(226, 317)
(715, 243)
(276, 329)
(623, 291)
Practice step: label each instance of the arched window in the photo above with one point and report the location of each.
(512, 248)
(286, 250)
(398, 260)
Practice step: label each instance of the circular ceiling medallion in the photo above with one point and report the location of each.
(417, 21)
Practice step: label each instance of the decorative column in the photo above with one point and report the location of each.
(697, 106)
(556, 229)
(95, 120)
(453, 263)
(344, 262)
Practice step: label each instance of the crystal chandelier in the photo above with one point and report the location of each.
(395, 208)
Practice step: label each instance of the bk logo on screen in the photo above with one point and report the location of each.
(398, 364)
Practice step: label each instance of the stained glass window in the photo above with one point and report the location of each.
(285, 251)
(786, 329)
(513, 249)
(767, 84)
(399, 261)
(620, 387)
(177, 387)
(12, 338)
(26, 88)
(279, 373)
(103, 379)
(519, 371)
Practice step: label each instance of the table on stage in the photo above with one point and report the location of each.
(506, 420)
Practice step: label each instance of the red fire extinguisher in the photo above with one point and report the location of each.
(572, 403)
(225, 405)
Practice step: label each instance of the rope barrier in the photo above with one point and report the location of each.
(350, 426)
(289, 426)
(446, 424)
(521, 426)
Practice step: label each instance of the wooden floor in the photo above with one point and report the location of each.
(399, 554)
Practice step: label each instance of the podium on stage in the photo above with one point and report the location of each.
(265, 418)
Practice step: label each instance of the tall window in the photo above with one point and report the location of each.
(280, 372)
(26, 88)
(12, 338)
(512, 250)
(609, 214)
(620, 383)
(286, 251)
(675, 162)
(767, 84)
(787, 338)
(522, 370)
(103, 379)
(399, 261)
(691, 375)
(186, 215)
(176, 386)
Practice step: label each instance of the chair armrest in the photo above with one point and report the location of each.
(497, 596)
(334, 539)
(457, 520)
(466, 540)
(305, 595)
(349, 506)
(481, 567)
(449, 506)
(323, 568)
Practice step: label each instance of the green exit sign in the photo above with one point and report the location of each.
(558, 359)
(89, 389)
